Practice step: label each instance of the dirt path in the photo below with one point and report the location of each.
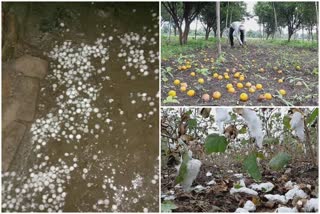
(300, 83)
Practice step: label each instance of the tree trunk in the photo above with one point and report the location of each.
(290, 33)
(195, 32)
(207, 33)
(218, 26)
(180, 36)
(275, 18)
(175, 30)
(185, 33)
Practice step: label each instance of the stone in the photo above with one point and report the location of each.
(12, 137)
(27, 94)
(23, 104)
(31, 66)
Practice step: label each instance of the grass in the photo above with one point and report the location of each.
(172, 48)
(292, 43)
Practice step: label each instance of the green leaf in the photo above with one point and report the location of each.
(183, 168)
(286, 122)
(313, 116)
(215, 143)
(192, 123)
(251, 166)
(168, 206)
(279, 161)
(170, 99)
(270, 140)
(243, 130)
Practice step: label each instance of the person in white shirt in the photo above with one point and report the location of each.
(238, 30)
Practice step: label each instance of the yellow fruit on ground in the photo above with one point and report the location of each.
(258, 86)
(193, 74)
(183, 88)
(241, 78)
(179, 68)
(206, 97)
(176, 82)
(227, 70)
(275, 68)
(172, 93)
(280, 80)
(280, 72)
(216, 95)
(231, 90)
(237, 75)
(226, 77)
(268, 96)
(298, 68)
(183, 67)
(244, 97)
(215, 75)
(191, 93)
(201, 80)
(220, 77)
(252, 90)
(188, 66)
(248, 84)
(282, 92)
(225, 74)
(183, 84)
(261, 69)
(229, 85)
(239, 85)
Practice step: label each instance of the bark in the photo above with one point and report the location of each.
(218, 26)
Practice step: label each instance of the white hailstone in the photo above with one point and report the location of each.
(139, 115)
(78, 136)
(133, 102)
(153, 181)
(41, 207)
(145, 210)
(96, 110)
(71, 136)
(114, 207)
(99, 115)
(46, 158)
(59, 189)
(94, 157)
(85, 170)
(97, 126)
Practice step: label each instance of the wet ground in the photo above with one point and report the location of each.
(93, 143)
(278, 62)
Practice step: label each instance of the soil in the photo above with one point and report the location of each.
(301, 85)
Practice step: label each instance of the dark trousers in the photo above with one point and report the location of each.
(231, 36)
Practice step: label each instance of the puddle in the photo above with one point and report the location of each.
(95, 136)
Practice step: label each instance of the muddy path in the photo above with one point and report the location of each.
(264, 64)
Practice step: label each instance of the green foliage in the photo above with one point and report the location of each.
(183, 168)
(313, 116)
(170, 99)
(251, 166)
(172, 48)
(286, 122)
(165, 73)
(279, 161)
(270, 140)
(192, 123)
(243, 130)
(215, 143)
(203, 71)
(168, 206)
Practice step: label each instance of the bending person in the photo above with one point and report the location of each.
(238, 30)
